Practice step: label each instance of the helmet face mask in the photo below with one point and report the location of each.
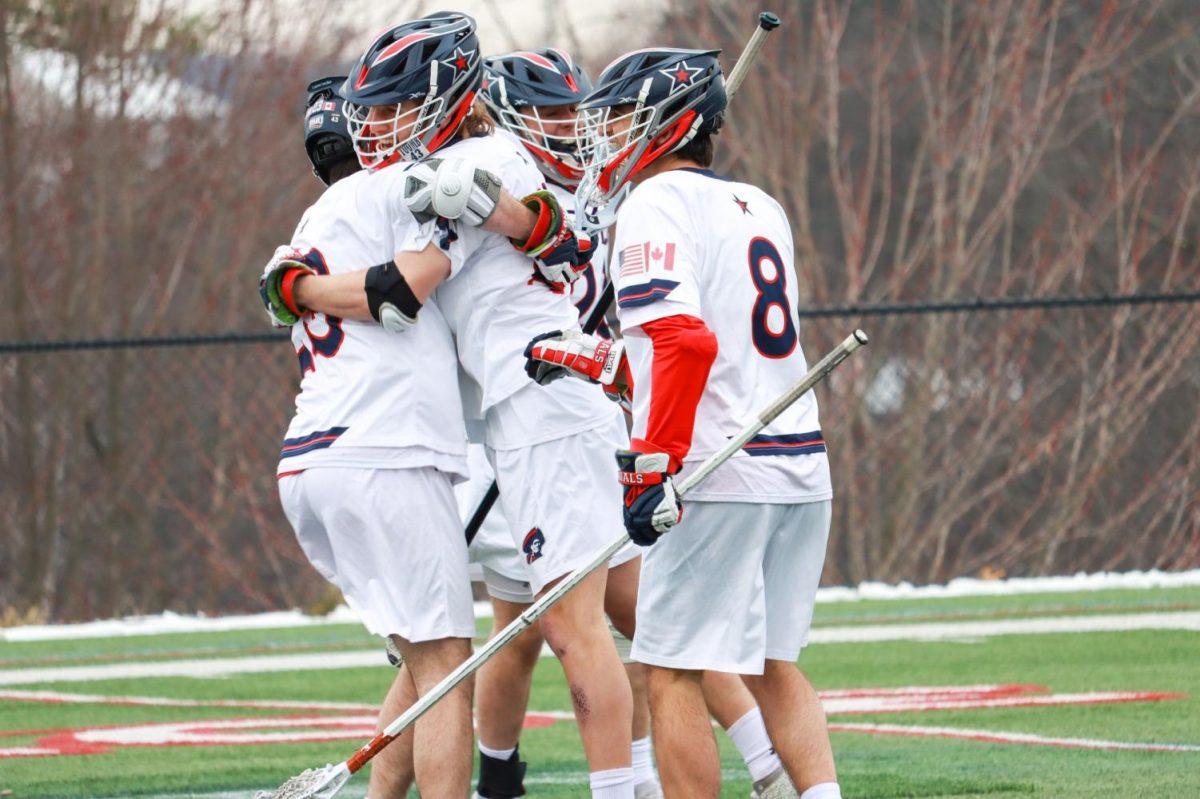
(534, 95)
(557, 153)
(411, 90)
(649, 103)
(381, 133)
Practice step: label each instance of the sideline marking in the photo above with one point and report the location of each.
(993, 736)
(204, 668)
(361, 724)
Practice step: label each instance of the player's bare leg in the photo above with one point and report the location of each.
(636, 672)
(392, 769)
(732, 705)
(620, 596)
(443, 740)
(578, 633)
(727, 697)
(683, 738)
(796, 723)
(502, 696)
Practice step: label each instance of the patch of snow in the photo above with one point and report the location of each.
(970, 586)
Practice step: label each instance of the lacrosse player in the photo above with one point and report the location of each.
(545, 445)
(705, 297)
(534, 95)
(345, 461)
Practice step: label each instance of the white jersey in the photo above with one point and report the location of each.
(495, 304)
(369, 398)
(690, 242)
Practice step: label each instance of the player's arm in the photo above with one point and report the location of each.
(390, 293)
(537, 225)
(682, 351)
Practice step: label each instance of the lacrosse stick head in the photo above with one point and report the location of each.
(313, 783)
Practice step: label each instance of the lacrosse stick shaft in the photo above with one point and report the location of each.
(767, 22)
(468, 667)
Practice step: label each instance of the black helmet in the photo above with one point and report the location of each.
(675, 95)
(434, 60)
(517, 84)
(326, 137)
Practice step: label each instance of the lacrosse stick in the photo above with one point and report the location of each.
(323, 783)
(597, 220)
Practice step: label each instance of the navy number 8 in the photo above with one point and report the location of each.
(771, 293)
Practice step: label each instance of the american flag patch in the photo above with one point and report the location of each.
(633, 260)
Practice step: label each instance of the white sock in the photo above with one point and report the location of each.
(643, 762)
(499, 754)
(823, 790)
(615, 783)
(749, 735)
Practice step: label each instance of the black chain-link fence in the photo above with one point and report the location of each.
(1035, 435)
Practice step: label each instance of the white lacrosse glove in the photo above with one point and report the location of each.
(452, 188)
(570, 352)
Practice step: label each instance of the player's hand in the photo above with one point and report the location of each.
(278, 277)
(452, 188)
(560, 252)
(571, 352)
(651, 505)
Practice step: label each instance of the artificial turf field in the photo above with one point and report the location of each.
(1013, 715)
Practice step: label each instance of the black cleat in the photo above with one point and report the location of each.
(501, 779)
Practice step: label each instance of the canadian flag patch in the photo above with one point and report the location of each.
(650, 256)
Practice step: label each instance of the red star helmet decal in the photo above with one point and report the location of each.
(461, 59)
(681, 75)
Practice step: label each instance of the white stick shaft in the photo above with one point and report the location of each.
(746, 59)
(525, 620)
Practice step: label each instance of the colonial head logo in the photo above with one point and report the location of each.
(532, 547)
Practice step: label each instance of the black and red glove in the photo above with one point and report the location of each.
(651, 505)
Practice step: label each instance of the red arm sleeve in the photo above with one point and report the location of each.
(683, 353)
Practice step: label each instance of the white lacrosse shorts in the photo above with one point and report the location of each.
(391, 540)
(502, 567)
(562, 500)
(731, 585)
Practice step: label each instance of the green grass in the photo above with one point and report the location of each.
(869, 766)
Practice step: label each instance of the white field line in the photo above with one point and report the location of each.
(318, 661)
(169, 622)
(992, 736)
(935, 631)
(57, 698)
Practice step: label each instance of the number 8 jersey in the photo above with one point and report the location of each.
(690, 242)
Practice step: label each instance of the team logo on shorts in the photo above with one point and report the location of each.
(534, 541)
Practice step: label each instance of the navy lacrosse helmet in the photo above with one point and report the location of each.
(517, 86)
(672, 96)
(326, 137)
(433, 61)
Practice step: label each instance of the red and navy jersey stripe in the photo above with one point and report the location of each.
(791, 444)
(645, 293)
(313, 441)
